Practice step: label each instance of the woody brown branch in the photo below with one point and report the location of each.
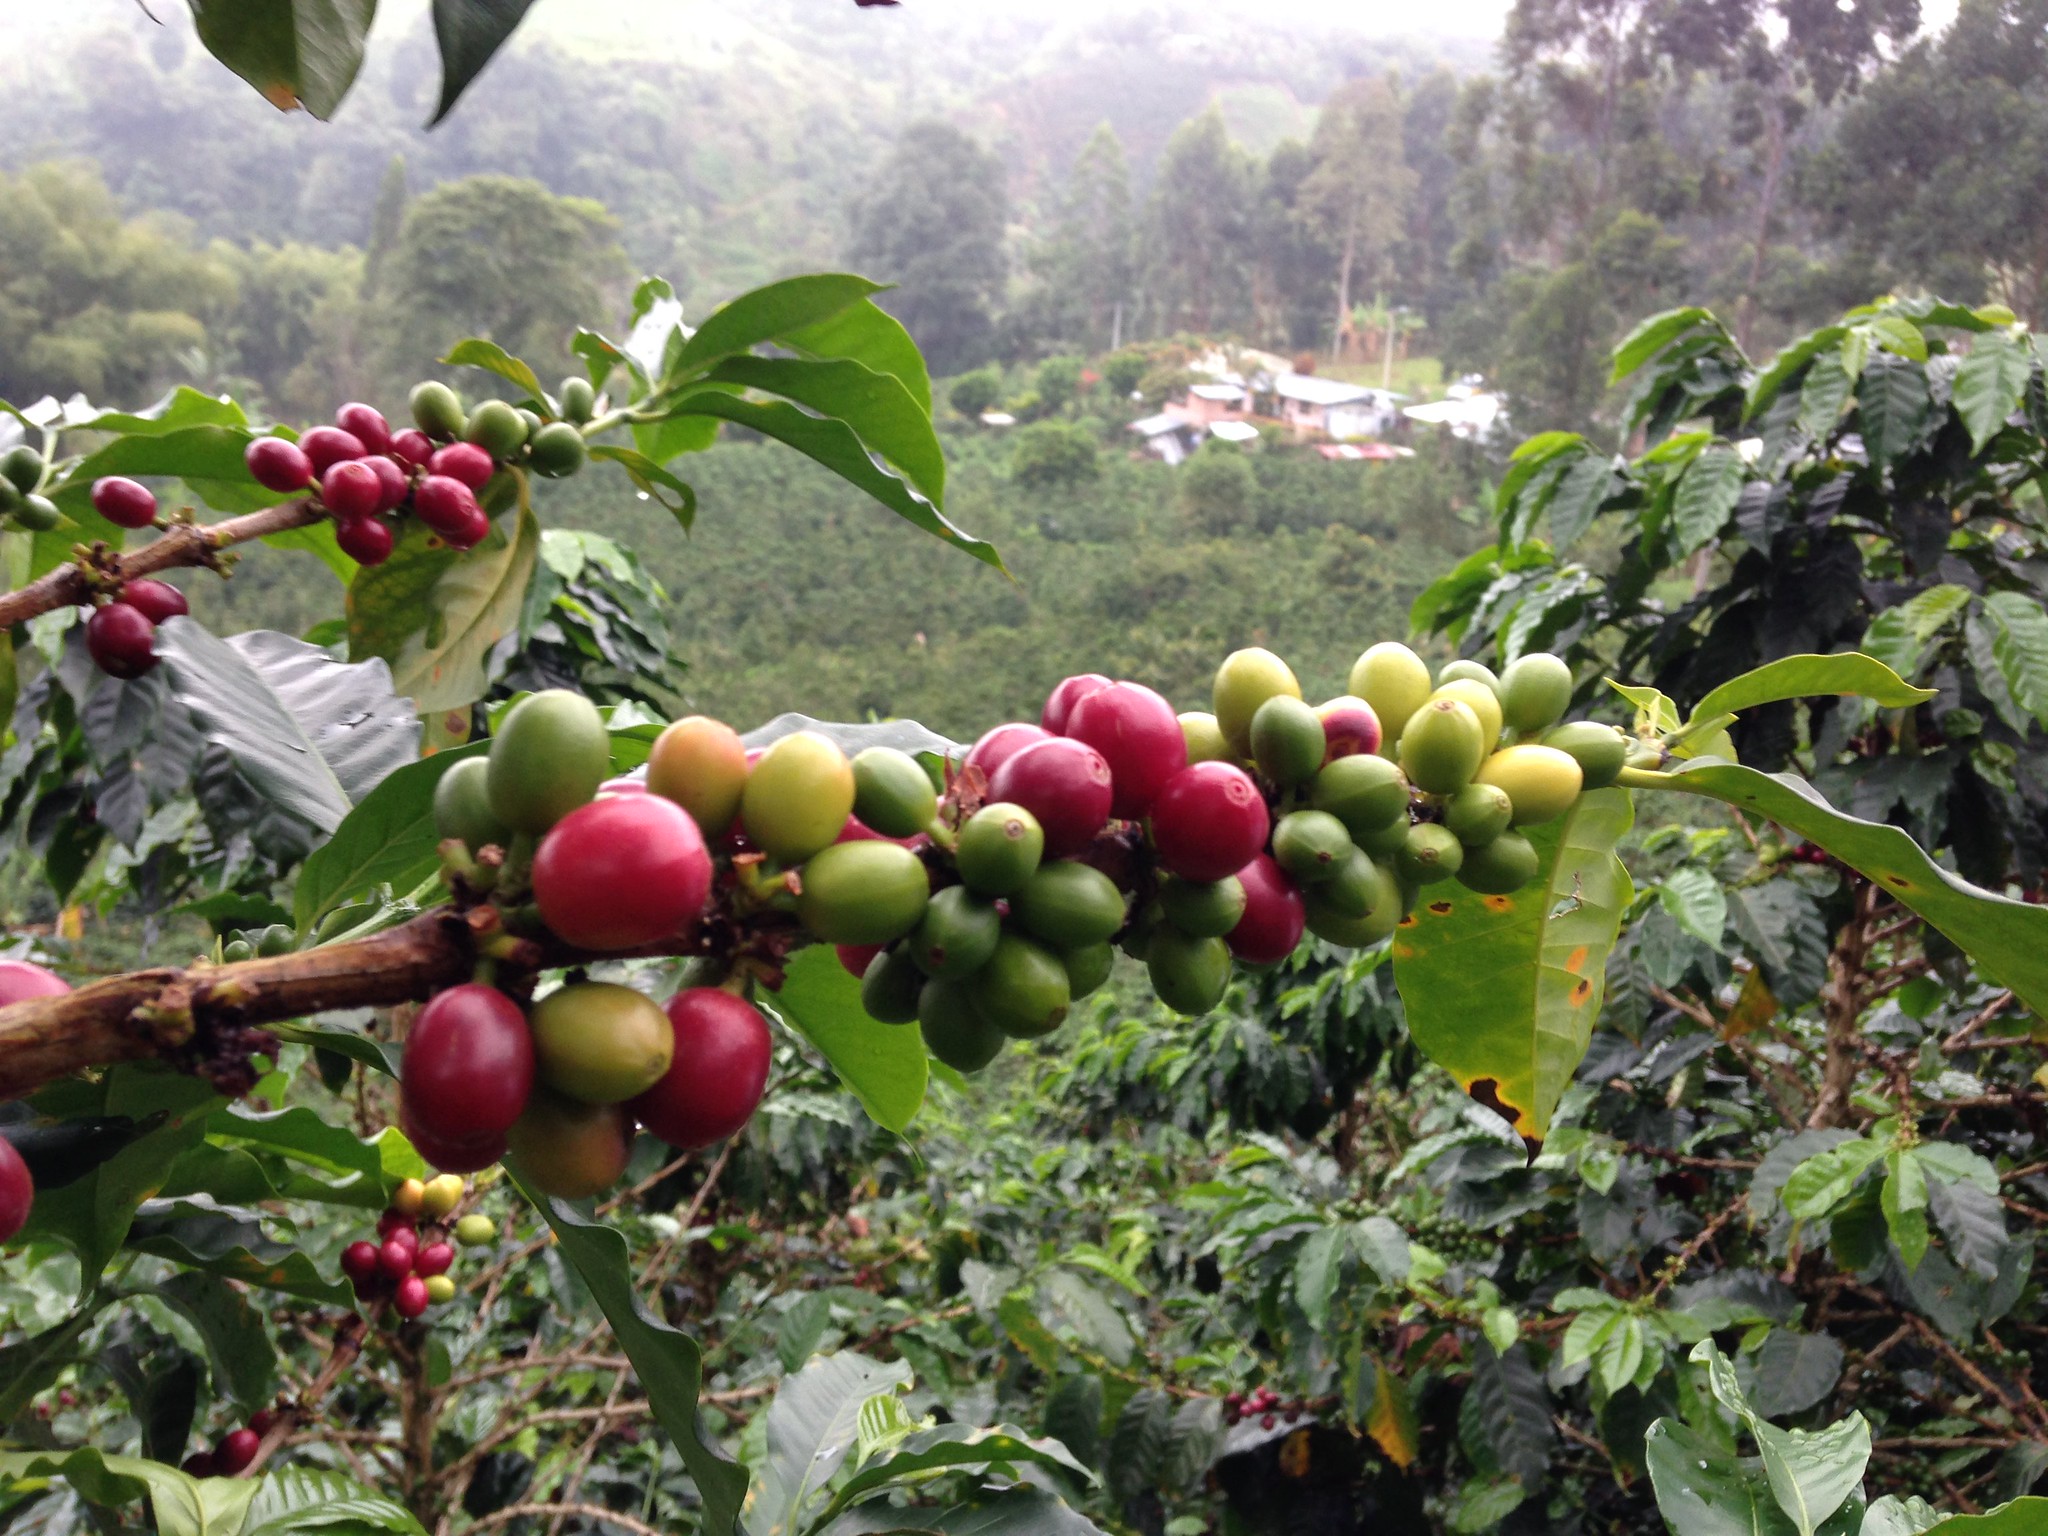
(182, 545)
(174, 1013)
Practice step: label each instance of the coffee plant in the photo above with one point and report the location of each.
(1743, 1141)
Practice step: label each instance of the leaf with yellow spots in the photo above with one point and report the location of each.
(1502, 991)
(1754, 1008)
(2008, 938)
(1391, 1423)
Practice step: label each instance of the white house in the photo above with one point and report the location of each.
(1331, 408)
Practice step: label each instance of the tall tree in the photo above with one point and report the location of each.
(1086, 268)
(387, 222)
(1939, 172)
(1199, 229)
(497, 257)
(932, 222)
(1361, 185)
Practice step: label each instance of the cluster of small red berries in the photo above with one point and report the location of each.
(1263, 1404)
(120, 636)
(408, 1264)
(364, 471)
(232, 1453)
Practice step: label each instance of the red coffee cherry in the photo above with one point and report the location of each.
(236, 1450)
(468, 1067)
(857, 957)
(411, 1298)
(1138, 735)
(472, 533)
(263, 1421)
(1065, 784)
(394, 484)
(1070, 692)
(359, 1261)
(365, 540)
(199, 1464)
(620, 872)
(1209, 820)
(351, 490)
(278, 465)
(329, 446)
(156, 600)
(22, 979)
(466, 462)
(445, 505)
(717, 1075)
(392, 1220)
(17, 1191)
(366, 424)
(1001, 743)
(124, 503)
(121, 640)
(395, 1258)
(412, 447)
(433, 1260)
(1274, 916)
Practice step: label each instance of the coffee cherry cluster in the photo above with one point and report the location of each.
(364, 474)
(610, 869)
(22, 506)
(20, 980)
(120, 635)
(1265, 1406)
(408, 1264)
(234, 1451)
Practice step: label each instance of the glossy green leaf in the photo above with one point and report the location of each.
(297, 53)
(469, 33)
(2019, 649)
(291, 1499)
(811, 1429)
(652, 480)
(1990, 383)
(237, 1337)
(1904, 1202)
(1502, 991)
(2008, 938)
(198, 1234)
(1317, 1269)
(1898, 636)
(1702, 1491)
(1706, 496)
(1654, 335)
(667, 1362)
(836, 446)
(476, 352)
(2021, 1517)
(1893, 407)
(768, 314)
(435, 616)
(183, 1506)
(1775, 374)
(1823, 1181)
(876, 405)
(1849, 674)
(1001, 1449)
(884, 1064)
(1023, 1511)
(867, 333)
(388, 839)
(1812, 1474)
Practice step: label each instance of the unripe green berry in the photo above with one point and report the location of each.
(497, 428)
(437, 410)
(557, 451)
(579, 399)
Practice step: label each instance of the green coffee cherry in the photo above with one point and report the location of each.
(1542, 782)
(1069, 905)
(1501, 867)
(889, 990)
(1600, 750)
(1365, 793)
(1473, 671)
(22, 468)
(867, 892)
(957, 935)
(1395, 682)
(1287, 741)
(1534, 692)
(1204, 737)
(551, 752)
(1203, 909)
(37, 514)
(892, 795)
(954, 1030)
(1357, 884)
(1087, 968)
(1443, 746)
(557, 451)
(579, 399)
(1189, 975)
(1478, 813)
(462, 806)
(998, 848)
(497, 428)
(1023, 990)
(1484, 701)
(475, 1230)
(437, 410)
(1430, 854)
(1311, 845)
(1246, 680)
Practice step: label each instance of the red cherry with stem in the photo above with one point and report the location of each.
(433, 1260)
(1208, 821)
(123, 502)
(23, 979)
(1071, 691)
(364, 540)
(1274, 917)
(395, 1258)
(199, 1464)
(858, 957)
(1350, 728)
(1065, 784)
(366, 424)
(1001, 743)
(719, 1071)
(858, 831)
(17, 1191)
(329, 446)
(235, 1451)
(620, 872)
(443, 504)
(1138, 735)
(466, 462)
(392, 1220)
(411, 1297)
(472, 533)
(413, 446)
(155, 600)
(450, 1156)
(393, 483)
(351, 489)
(263, 1421)
(468, 1066)
(359, 1261)
(121, 640)
(407, 1238)
(277, 465)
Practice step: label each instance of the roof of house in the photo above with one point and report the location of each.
(1233, 431)
(1160, 425)
(1310, 390)
(1223, 392)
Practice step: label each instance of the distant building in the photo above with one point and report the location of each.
(1318, 407)
(1468, 410)
(1206, 404)
(1169, 435)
